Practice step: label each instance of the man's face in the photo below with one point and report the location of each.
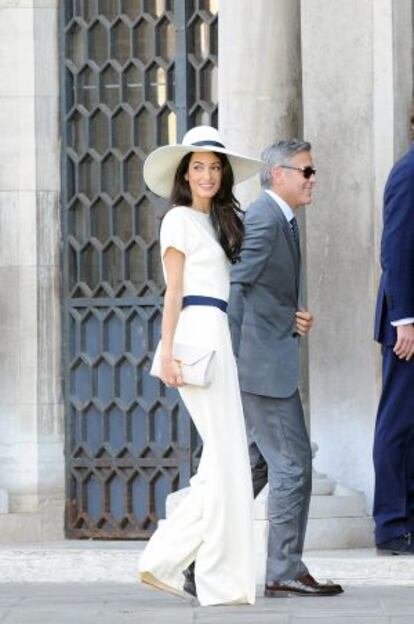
(290, 184)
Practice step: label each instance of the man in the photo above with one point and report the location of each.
(266, 318)
(394, 329)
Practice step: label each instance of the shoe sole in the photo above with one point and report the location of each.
(393, 553)
(146, 578)
(292, 594)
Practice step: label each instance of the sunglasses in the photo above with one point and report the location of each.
(307, 171)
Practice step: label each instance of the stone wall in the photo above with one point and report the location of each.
(357, 92)
(343, 71)
(339, 71)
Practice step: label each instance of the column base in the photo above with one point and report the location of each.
(4, 502)
(47, 523)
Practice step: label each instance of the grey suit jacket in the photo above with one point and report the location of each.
(263, 302)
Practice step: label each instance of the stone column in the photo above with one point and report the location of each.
(259, 91)
(357, 91)
(31, 452)
(18, 319)
(49, 404)
(259, 76)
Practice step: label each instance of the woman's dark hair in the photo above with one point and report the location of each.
(225, 211)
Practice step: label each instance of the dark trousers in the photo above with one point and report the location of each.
(280, 453)
(394, 450)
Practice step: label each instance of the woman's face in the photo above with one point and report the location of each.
(204, 176)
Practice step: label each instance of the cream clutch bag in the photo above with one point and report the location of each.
(197, 364)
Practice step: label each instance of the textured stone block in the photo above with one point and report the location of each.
(17, 425)
(50, 423)
(49, 336)
(48, 228)
(18, 527)
(9, 304)
(52, 514)
(46, 42)
(26, 502)
(47, 143)
(20, 472)
(17, 147)
(51, 466)
(16, 51)
(4, 502)
(9, 377)
(18, 228)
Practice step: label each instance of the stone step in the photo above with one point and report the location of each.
(19, 527)
(342, 503)
(339, 503)
(336, 521)
(117, 562)
(31, 527)
(323, 485)
(322, 506)
(338, 506)
(339, 533)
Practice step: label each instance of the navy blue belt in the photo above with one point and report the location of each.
(205, 301)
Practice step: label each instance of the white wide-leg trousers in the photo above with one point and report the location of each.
(213, 524)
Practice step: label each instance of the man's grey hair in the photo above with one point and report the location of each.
(280, 153)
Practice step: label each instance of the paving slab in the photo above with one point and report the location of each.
(125, 603)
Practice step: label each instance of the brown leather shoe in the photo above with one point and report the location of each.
(303, 586)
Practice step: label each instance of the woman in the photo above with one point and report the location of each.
(200, 236)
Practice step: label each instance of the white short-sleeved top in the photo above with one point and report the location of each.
(206, 267)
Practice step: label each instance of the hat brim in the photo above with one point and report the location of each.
(161, 165)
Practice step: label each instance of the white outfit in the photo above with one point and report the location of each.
(214, 523)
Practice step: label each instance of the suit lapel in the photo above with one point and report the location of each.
(288, 234)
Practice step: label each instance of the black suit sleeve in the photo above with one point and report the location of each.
(397, 246)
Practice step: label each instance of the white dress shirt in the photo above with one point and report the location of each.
(285, 208)
(404, 321)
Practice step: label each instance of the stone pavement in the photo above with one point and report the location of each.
(90, 561)
(126, 603)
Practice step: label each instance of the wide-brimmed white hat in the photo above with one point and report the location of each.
(161, 165)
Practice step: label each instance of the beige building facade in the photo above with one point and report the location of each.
(339, 74)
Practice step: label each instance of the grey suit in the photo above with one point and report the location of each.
(264, 298)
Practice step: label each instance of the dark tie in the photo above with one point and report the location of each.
(295, 230)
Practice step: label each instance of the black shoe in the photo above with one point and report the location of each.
(403, 545)
(189, 582)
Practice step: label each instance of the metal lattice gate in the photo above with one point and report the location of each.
(135, 75)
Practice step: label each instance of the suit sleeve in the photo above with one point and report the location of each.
(259, 236)
(397, 246)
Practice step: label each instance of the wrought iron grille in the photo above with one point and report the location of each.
(135, 75)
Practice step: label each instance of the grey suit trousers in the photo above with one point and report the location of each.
(280, 453)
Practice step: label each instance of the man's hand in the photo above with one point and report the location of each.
(404, 347)
(304, 322)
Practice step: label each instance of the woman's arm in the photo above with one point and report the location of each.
(174, 267)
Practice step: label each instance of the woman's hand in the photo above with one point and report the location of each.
(171, 372)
